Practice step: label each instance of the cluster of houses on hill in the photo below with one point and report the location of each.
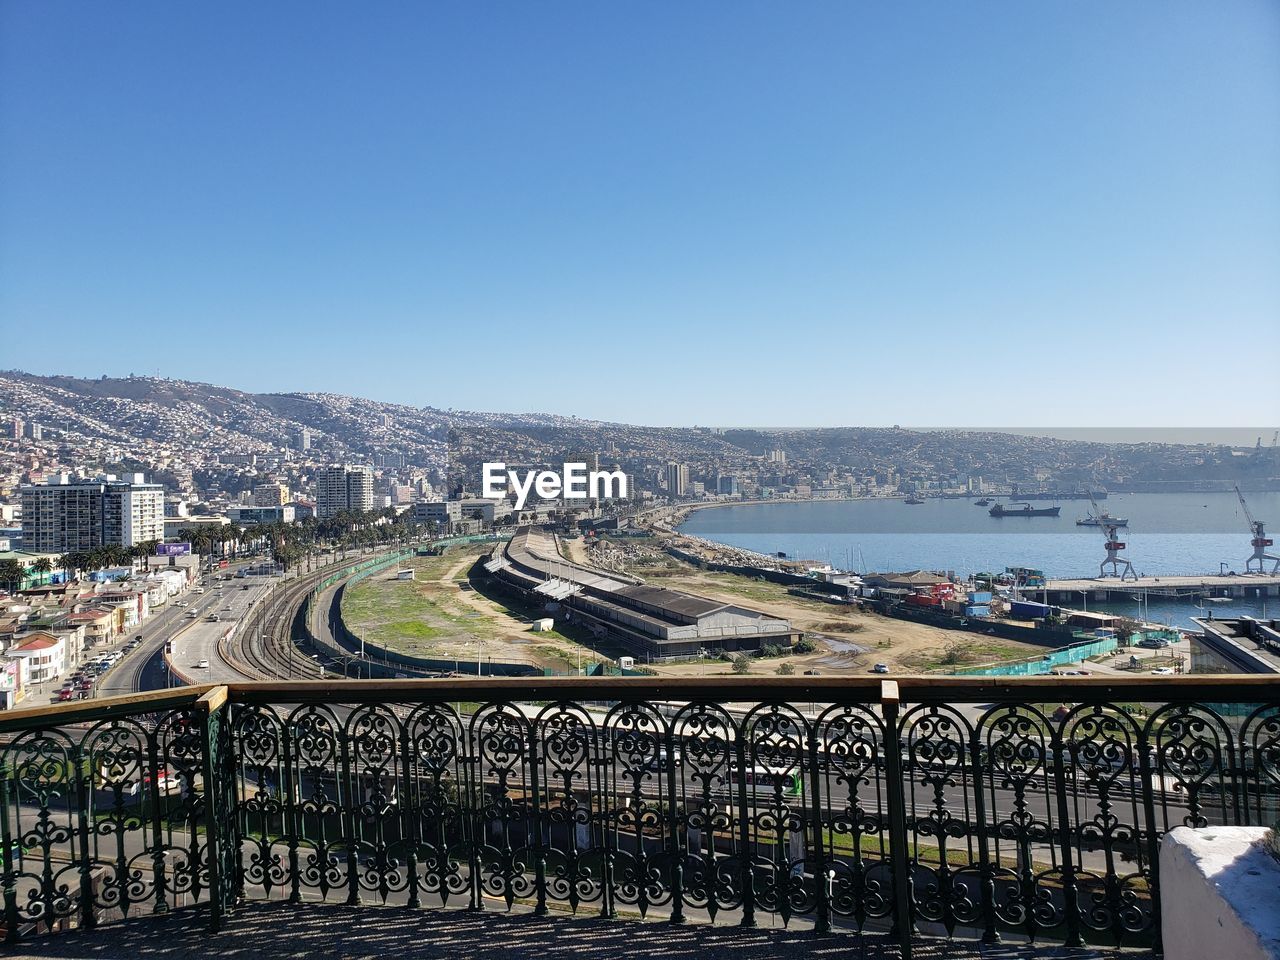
(49, 632)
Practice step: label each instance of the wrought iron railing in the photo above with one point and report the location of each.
(965, 807)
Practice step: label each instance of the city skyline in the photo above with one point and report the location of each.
(854, 215)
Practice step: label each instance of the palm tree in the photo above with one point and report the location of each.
(11, 573)
(43, 566)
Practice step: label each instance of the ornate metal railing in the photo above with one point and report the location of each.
(963, 807)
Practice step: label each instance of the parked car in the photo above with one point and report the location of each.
(880, 668)
(1162, 671)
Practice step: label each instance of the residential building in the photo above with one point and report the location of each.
(274, 494)
(340, 488)
(45, 654)
(677, 480)
(72, 514)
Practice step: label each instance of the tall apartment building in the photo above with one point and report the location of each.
(69, 515)
(343, 488)
(270, 494)
(677, 480)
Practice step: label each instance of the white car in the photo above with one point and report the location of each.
(1162, 671)
(202, 665)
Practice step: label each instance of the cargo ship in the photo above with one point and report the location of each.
(1024, 510)
(981, 503)
(913, 500)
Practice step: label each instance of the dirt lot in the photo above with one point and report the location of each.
(852, 641)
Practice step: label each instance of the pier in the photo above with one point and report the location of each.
(1193, 587)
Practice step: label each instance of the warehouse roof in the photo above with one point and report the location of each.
(671, 601)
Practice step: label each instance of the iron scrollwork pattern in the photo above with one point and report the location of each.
(1039, 820)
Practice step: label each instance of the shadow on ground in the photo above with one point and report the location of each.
(318, 932)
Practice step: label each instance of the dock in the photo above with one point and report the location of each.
(1192, 587)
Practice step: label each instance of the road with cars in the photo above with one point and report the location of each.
(140, 665)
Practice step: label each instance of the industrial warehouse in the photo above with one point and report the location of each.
(655, 622)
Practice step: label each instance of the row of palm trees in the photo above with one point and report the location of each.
(13, 573)
(289, 543)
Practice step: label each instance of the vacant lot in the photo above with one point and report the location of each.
(439, 615)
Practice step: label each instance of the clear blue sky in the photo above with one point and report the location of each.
(724, 213)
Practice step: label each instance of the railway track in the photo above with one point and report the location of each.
(263, 648)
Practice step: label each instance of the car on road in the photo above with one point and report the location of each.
(66, 693)
(202, 664)
(1162, 671)
(213, 618)
(192, 614)
(880, 668)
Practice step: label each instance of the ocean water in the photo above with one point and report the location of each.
(1168, 534)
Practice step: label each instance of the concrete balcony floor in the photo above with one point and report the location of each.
(273, 931)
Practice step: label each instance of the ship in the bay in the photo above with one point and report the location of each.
(1023, 510)
(1102, 520)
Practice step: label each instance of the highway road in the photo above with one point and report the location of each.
(202, 642)
(142, 669)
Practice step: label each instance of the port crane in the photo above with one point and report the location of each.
(1260, 541)
(1113, 546)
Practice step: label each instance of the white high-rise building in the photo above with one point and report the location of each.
(677, 480)
(340, 488)
(68, 515)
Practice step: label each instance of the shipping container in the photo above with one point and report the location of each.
(1029, 610)
(979, 596)
(923, 600)
(977, 610)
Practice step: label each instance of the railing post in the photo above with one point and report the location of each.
(989, 934)
(1070, 888)
(220, 829)
(83, 775)
(676, 821)
(745, 856)
(10, 879)
(540, 847)
(1146, 774)
(903, 923)
(292, 818)
(822, 923)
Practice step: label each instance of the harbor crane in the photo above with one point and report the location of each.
(1260, 542)
(1113, 546)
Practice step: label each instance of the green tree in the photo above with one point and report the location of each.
(11, 573)
(786, 669)
(741, 664)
